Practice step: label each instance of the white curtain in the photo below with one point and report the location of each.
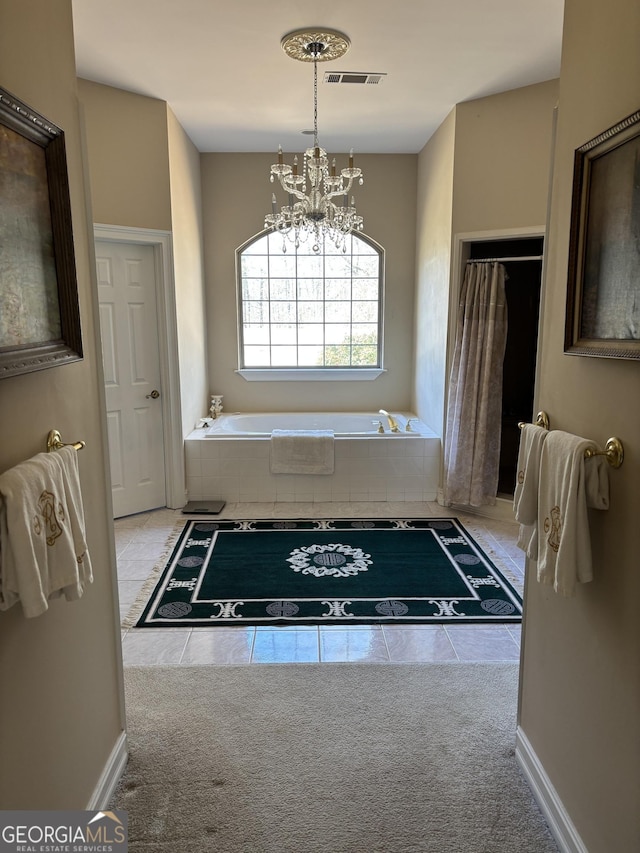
(474, 410)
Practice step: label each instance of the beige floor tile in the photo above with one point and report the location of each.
(418, 644)
(219, 646)
(149, 647)
(360, 645)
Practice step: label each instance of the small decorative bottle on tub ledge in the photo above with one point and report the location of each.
(216, 405)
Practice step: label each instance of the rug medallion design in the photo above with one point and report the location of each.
(329, 571)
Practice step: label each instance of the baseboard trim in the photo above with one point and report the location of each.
(560, 824)
(502, 510)
(110, 776)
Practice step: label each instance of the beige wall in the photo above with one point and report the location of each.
(186, 217)
(60, 712)
(236, 196)
(433, 265)
(580, 676)
(128, 157)
(502, 156)
(145, 173)
(486, 169)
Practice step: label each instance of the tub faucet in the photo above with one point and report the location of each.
(393, 423)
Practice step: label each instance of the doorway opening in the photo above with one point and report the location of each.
(523, 287)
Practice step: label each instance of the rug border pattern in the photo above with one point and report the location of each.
(155, 585)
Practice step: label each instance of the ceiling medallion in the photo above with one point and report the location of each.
(315, 45)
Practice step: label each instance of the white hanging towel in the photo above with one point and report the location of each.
(525, 496)
(43, 552)
(569, 484)
(302, 451)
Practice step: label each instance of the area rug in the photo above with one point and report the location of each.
(329, 571)
(326, 758)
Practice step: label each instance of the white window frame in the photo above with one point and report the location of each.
(307, 373)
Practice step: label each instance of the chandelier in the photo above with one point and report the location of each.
(318, 204)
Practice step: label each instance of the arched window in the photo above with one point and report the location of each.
(300, 310)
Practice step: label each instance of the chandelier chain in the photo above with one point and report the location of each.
(315, 102)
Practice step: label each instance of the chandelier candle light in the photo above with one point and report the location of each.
(311, 212)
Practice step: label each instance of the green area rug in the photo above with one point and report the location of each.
(338, 571)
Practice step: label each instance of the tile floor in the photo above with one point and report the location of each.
(141, 541)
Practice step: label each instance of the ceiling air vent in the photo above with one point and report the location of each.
(353, 77)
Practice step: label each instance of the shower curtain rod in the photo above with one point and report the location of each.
(502, 260)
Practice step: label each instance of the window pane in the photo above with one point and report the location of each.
(366, 266)
(274, 243)
(310, 266)
(338, 266)
(258, 247)
(310, 288)
(255, 333)
(364, 355)
(331, 248)
(361, 247)
(283, 288)
(283, 356)
(337, 356)
(337, 333)
(256, 312)
(255, 288)
(257, 356)
(255, 266)
(282, 266)
(310, 356)
(337, 312)
(283, 312)
(311, 333)
(338, 288)
(284, 333)
(365, 288)
(365, 332)
(310, 312)
(366, 312)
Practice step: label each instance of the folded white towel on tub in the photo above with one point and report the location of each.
(298, 451)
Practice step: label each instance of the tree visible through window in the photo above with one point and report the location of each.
(307, 310)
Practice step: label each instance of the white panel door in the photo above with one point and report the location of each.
(129, 326)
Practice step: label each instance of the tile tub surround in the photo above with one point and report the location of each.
(384, 468)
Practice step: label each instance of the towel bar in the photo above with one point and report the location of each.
(542, 420)
(613, 449)
(55, 442)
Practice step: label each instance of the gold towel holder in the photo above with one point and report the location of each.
(542, 420)
(55, 442)
(613, 449)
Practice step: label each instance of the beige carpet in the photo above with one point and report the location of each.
(328, 758)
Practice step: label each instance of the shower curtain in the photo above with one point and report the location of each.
(474, 410)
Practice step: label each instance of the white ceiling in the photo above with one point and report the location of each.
(220, 66)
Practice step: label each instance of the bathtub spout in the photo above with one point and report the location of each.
(393, 423)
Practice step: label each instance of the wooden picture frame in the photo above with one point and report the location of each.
(39, 311)
(603, 293)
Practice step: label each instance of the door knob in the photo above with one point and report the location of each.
(154, 395)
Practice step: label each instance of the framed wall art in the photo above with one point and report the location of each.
(603, 294)
(39, 312)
